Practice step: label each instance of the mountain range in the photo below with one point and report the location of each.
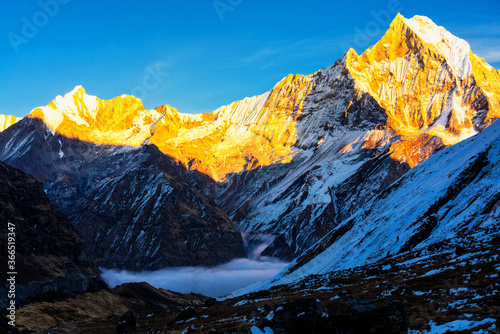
(450, 200)
(381, 154)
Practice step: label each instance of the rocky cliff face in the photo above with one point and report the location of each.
(135, 207)
(145, 214)
(50, 253)
(449, 200)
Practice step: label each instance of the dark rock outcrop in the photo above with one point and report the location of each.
(127, 323)
(49, 251)
(145, 215)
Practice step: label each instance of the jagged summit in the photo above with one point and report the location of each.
(122, 120)
(429, 83)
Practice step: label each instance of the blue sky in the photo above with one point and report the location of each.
(197, 55)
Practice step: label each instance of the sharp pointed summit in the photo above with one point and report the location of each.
(429, 83)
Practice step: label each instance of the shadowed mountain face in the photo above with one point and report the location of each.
(50, 252)
(145, 214)
(134, 206)
(294, 162)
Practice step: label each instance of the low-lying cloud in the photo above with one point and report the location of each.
(213, 282)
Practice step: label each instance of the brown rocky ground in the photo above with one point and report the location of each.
(445, 285)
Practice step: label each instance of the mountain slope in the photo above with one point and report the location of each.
(455, 193)
(246, 134)
(366, 121)
(50, 253)
(145, 215)
(135, 207)
(426, 80)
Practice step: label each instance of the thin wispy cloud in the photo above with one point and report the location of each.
(483, 38)
(298, 49)
(481, 29)
(260, 55)
(491, 55)
(487, 48)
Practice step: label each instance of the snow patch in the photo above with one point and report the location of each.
(453, 326)
(256, 330)
(454, 49)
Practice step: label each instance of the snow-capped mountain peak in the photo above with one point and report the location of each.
(76, 106)
(454, 49)
(122, 120)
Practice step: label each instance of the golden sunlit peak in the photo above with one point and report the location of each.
(78, 89)
(7, 120)
(397, 21)
(420, 74)
(122, 120)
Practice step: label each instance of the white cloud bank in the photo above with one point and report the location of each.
(213, 282)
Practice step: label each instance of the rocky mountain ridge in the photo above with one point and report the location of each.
(366, 121)
(135, 207)
(449, 200)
